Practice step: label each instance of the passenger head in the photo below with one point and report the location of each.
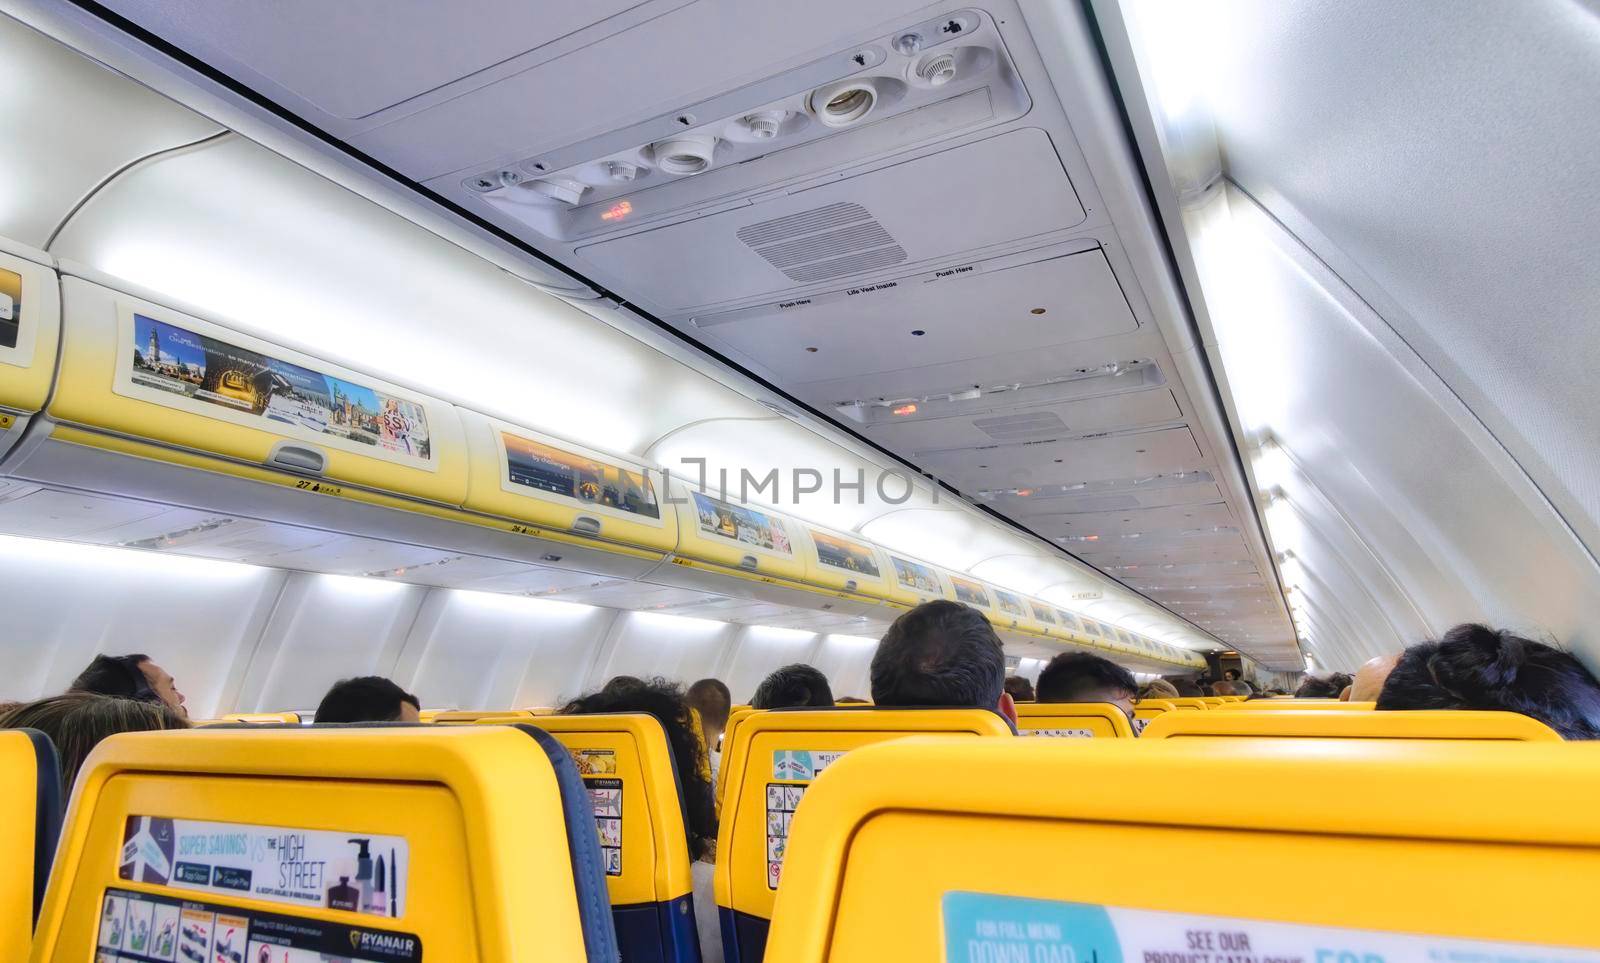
(131, 677)
(712, 700)
(667, 703)
(792, 686)
(1158, 689)
(942, 653)
(1476, 667)
(1187, 688)
(370, 698)
(1021, 689)
(1322, 687)
(77, 721)
(1228, 687)
(852, 701)
(1086, 677)
(1369, 679)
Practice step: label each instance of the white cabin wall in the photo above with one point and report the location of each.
(64, 604)
(646, 644)
(476, 650)
(757, 651)
(325, 628)
(847, 662)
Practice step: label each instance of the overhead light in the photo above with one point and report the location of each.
(684, 154)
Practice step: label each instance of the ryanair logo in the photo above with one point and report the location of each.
(391, 944)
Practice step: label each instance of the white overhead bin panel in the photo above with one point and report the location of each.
(747, 551)
(135, 370)
(915, 581)
(850, 565)
(555, 490)
(30, 329)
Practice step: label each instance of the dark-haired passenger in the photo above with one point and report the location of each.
(131, 677)
(942, 653)
(668, 704)
(1188, 688)
(1020, 688)
(1086, 677)
(368, 698)
(1476, 667)
(1322, 686)
(793, 686)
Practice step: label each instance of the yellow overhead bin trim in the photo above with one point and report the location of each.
(30, 330)
(531, 477)
(842, 563)
(209, 389)
(733, 536)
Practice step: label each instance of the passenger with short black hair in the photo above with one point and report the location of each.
(368, 698)
(1020, 688)
(1322, 687)
(942, 653)
(793, 686)
(77, 721)
(712, 701)
(131, 677)
(1158, 689)
(1476, 667)
(1086, 677)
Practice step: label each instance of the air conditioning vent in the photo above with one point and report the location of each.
(1013, 427)
(826, 242)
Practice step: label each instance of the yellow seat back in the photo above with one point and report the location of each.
(264, 718)
(1395, 851)
(1354, 724)
(30, 820)
(1297, 705)
(367, 843)
(466, 717)
(1189, 703)
(778, 754)
(627, 766)
(1146, 709)
(736, 718)
(1083, 720)
(1213, 702)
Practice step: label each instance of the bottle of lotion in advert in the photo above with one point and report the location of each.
(344, 896)
(363, 872)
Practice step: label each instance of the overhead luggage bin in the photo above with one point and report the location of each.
(30, 331)
(740, 550)
(554, 489)
(848, 564)
(915, 581)
(722, 535)
(1503, 872)
(134, 370)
